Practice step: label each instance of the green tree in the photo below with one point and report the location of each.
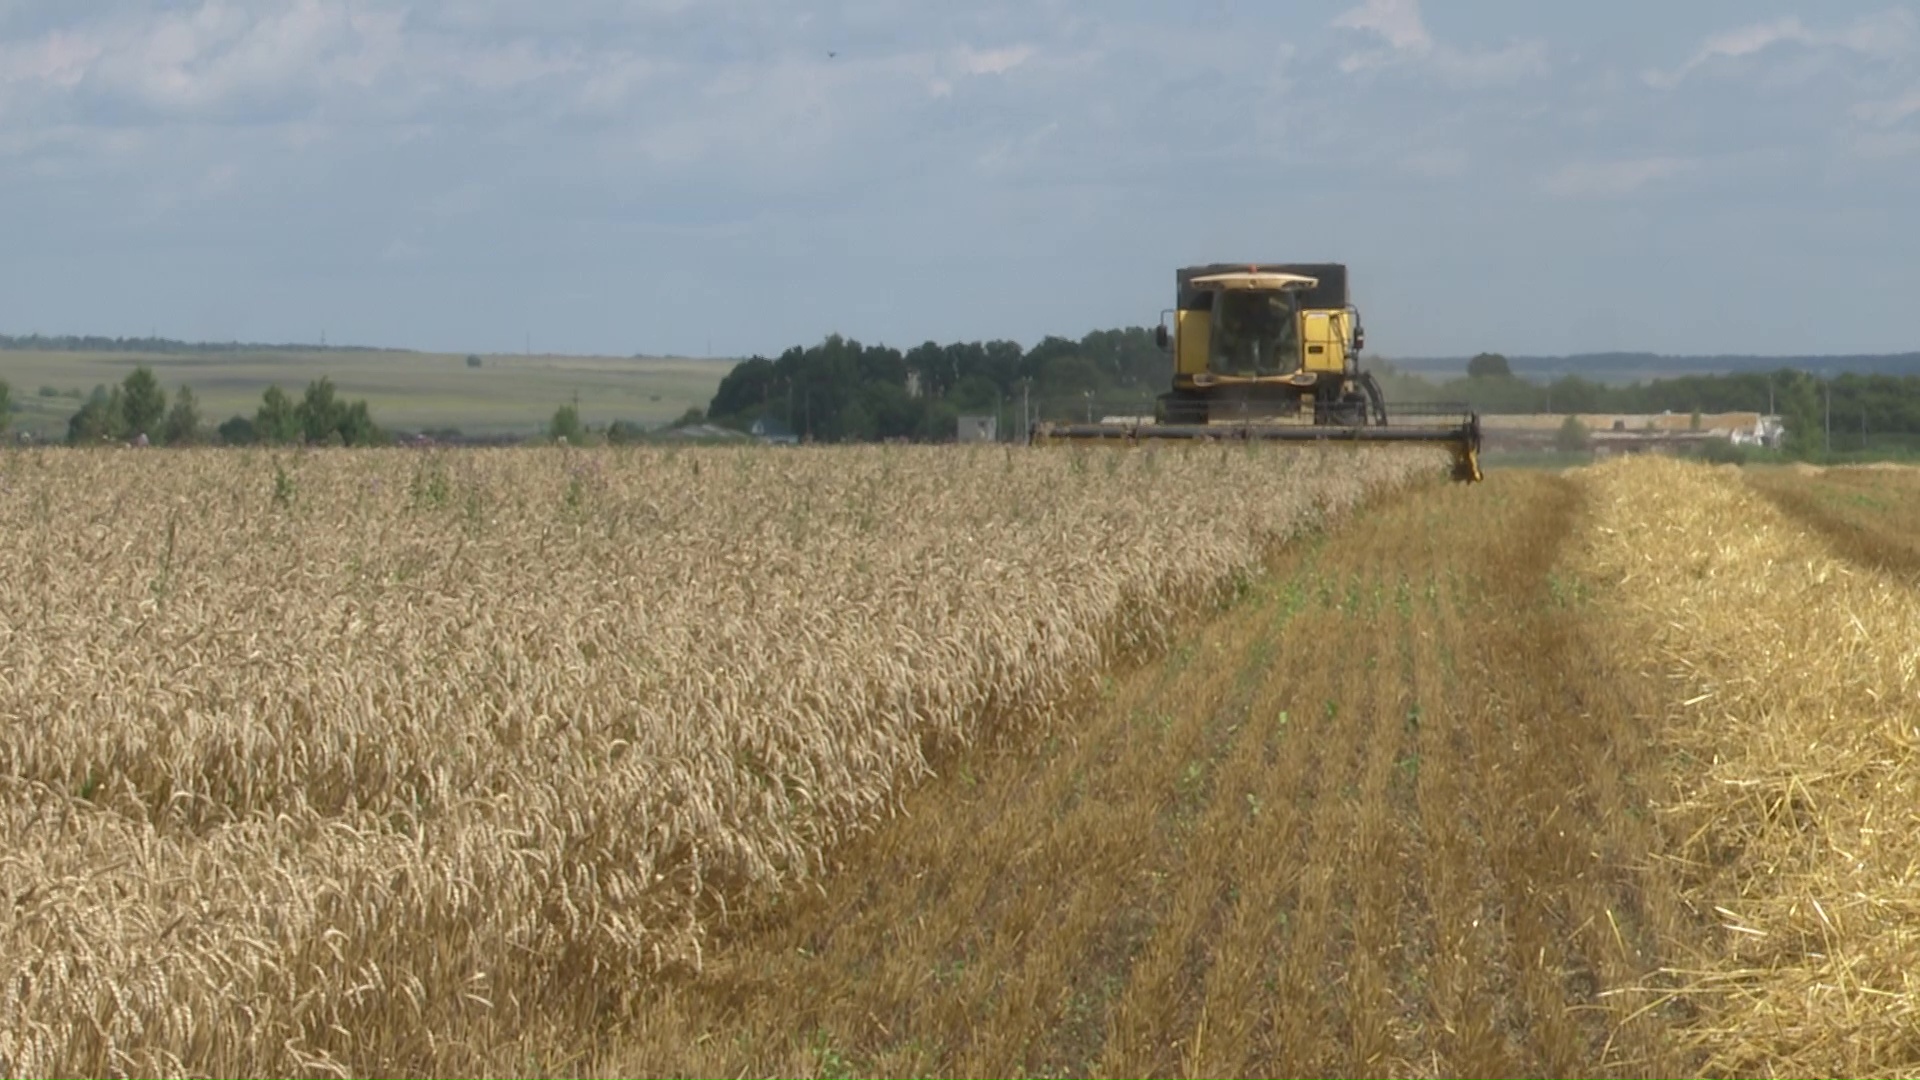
(977, 393)
(473, 360)
(1573, 394)
(566, 425)
(1799, 402)
(855, 423)
(276, 421)
(356, 425)
(182, 427)
(320, 414)
(101, 418)
(1489, 366)
(1573, 437)
(143, 404)
(237, 431)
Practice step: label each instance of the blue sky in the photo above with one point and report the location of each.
(742, 175)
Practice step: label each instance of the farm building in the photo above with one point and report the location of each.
(769, 430)
(979, 428)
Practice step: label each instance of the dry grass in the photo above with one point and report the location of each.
(387, 762)
(1798, 741)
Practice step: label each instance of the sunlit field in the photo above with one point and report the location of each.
(396, 761)
(944, 760)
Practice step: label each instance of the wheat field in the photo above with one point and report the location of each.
(1789, 638)
(353, 762)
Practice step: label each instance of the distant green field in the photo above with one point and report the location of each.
(507, 394)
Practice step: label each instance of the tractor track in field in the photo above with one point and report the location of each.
(1386, 815)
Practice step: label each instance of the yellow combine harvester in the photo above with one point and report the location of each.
(1271, 351)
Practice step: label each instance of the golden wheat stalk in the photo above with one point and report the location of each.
(354, 760)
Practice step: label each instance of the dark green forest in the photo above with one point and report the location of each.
(841, 390)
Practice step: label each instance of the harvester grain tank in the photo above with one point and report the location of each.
(1271, 352)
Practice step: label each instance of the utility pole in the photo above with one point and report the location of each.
(1026, 411)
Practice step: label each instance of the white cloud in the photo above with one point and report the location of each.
(213, 61)
(1889, 112)
(1616, 178)
(1011, 154)
(59, 59)
(992, 61)
(1399, 24)
(1888, 33)
(1398, 21)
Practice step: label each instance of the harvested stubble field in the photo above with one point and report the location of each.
(1384, 816)
(388, 762)
(1791, 643)
(1868, 513)
(834, 762)
(1605, 773)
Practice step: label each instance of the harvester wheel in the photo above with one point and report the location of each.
(1371, 388)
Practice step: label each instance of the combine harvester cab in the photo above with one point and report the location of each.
(1270, 352)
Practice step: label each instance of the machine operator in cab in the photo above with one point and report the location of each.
(1254, 333)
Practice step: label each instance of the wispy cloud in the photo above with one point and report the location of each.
(1889, 112)
(1615, 178)
(1881, 131)
(1403, 31)
(1888, 33)
(1397, 21)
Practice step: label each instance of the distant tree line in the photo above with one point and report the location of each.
(1842, 412)
(1876, 404)
(842, 391)
(137, 410)
(158, 345)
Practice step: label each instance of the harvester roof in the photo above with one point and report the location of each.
(1328, 292)
(1256, 280)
